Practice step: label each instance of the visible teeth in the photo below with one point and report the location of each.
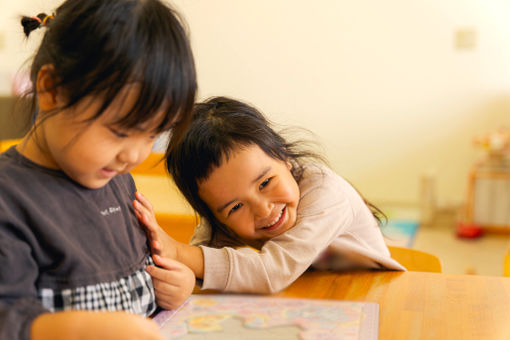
(275, 220)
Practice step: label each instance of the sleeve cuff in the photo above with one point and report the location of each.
(216, 268)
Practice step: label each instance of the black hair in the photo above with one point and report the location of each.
(97, 47)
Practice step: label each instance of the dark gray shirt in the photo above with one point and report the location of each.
(56, 235)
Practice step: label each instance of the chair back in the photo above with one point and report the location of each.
(172, 212)
(506, 264)
(154, 164)
(7, 143)
(179, 226)
(416, 260)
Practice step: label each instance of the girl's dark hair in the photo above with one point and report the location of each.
(97, 47)
(220, 126)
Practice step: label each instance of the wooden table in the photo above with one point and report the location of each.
(416, 305)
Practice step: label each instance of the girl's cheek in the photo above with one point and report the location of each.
(287, 192)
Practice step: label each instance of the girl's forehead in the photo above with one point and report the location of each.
(243, 165)
(247, 157)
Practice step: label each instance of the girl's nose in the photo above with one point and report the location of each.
(129, 155)
(263, 208)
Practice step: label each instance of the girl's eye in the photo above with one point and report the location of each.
(263, 184)
(118, 133)
(235, 208)
(155, 135)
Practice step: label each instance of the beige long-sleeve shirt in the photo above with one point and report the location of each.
(334, 229)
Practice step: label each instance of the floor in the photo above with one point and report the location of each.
(479, 256)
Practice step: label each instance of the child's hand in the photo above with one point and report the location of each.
(93, 325)
(161, 243)
(173, 283)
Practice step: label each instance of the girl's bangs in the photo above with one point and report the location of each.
(158, 91)
(165, 71)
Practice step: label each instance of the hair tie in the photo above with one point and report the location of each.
(46, 19)
(32, 23)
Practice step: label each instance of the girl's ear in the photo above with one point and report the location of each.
(47, 92)
(289, 164)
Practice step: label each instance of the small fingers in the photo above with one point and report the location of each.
(167, 263)
(170, 296)
(155, 245)
(169, 302)
(149, 222)
(145, 216)
(140, 208)
(174, 273)
(144, 201)
(166, 286)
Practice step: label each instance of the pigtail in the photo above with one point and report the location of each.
(32, 23)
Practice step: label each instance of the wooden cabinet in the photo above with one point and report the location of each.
(14, 117)
(488, 195)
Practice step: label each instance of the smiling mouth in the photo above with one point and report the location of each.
(277, 221)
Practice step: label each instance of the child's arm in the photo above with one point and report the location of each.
(164, 245)
(93, 325)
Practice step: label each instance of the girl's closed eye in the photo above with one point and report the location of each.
(235, 208)
(265, 183)
(118, 133)
(153, 134)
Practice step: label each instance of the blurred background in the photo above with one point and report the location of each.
(405, 97)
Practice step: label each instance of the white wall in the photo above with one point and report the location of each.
(379, 82)
(15, 50)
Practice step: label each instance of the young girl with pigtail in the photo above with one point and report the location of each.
(108, 78)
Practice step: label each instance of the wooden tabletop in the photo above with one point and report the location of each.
(416, 305)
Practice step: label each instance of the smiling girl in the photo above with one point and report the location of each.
(268, 209)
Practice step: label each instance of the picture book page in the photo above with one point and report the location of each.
(259, 317)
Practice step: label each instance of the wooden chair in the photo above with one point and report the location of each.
(180, 227)
(7, 143)
(416, 260)
(506, 264)
(172, 212)
(153, 165)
